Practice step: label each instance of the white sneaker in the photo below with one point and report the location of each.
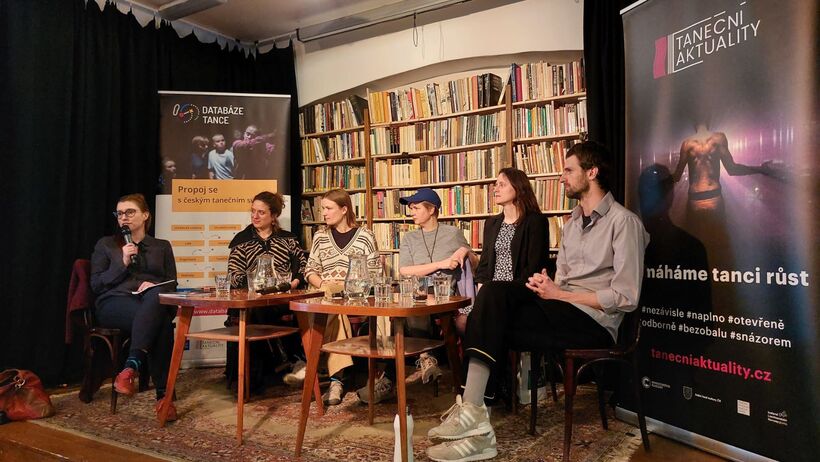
(462, 420)
(426, 369)
(383, 389)
(333, 395)
(479, 447)
(296, 376)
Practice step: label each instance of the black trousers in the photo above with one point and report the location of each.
(509, 314)
(151, 327)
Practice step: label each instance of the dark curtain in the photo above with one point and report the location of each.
(604, 61)
(80, 118)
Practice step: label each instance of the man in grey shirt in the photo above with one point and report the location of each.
(598, 279)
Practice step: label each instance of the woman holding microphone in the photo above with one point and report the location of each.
(129, 269)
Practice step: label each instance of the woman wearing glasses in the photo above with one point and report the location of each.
(131, 261)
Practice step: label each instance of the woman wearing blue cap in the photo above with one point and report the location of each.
(432, 248)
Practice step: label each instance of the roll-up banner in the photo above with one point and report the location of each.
(722, 143)
(218, 151)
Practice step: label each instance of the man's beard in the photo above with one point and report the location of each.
(578, 193)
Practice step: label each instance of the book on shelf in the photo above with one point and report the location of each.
(434, 99)
(447, 133)
(337, 115)
(541, 80)
(556, 224)
(444, 168)
(551, 195)
(323, 178)
(307, 210)
(549, 119)
(543, 157)
(339, 146)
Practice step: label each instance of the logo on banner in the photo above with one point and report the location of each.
(186, 112)
(687, 392)
(743, 408)
(649, 383)
(780, 418)
(701, 40)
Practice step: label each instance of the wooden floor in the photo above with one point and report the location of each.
(23, 441)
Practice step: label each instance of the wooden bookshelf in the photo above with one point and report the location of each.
(529, 127)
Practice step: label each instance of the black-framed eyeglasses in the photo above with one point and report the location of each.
(127, 213)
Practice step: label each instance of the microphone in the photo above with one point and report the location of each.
(126, 234)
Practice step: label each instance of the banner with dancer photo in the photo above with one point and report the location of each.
(722, 124)
(218, 151)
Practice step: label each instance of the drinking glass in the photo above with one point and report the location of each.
(442, 284)
(223, 286)
(383, 289)
(422, 288)
(407, 286)
(284, 276)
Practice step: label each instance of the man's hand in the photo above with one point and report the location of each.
(543, 286)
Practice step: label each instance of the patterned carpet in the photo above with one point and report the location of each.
(206, 429)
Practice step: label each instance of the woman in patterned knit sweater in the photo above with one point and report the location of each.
(327, 265)
(264, 236)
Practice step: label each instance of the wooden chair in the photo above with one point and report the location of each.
(81, 314)
(576, 361)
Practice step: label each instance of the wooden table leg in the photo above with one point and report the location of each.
(448, 327)
(303, 319)
(240, 402)
(400, 386)
(183, 326)
(371, 368)
(315, 334)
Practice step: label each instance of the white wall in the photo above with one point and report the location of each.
(522, 27)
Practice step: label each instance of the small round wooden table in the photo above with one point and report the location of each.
(242, 300)
(370, 347)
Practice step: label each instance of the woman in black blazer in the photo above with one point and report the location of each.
(516, 241)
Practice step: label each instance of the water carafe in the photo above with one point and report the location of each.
(264, 276)
(357, 281)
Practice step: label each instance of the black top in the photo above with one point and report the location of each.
(342, 239)
(529, 246)
(110, 277)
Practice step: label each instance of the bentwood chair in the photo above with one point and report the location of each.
(80, 312)
(576, 361)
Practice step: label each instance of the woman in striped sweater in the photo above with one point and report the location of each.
(265, 236)
(327, 264)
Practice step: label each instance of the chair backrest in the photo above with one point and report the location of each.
(629, 333)
(80, 299)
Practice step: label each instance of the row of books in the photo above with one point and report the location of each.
(542, 80)
(340, 146)
(333, 176)
(456, 200)
(550, 120)
(460, 166)
(312, 207)
(439, 134)
(336, 115)
(435, 99)
(550, 194)
(543, 157)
